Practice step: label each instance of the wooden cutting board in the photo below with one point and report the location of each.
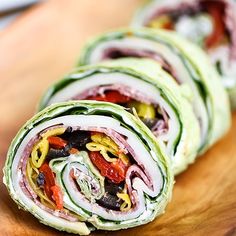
(42, 45)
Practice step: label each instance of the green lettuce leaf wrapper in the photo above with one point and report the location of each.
(222, 56)
(83, 214)
(187, 63)
(146, 80)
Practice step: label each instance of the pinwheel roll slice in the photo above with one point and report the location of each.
(209, 23)
(143, 88)
(183, 60)
(79, 166)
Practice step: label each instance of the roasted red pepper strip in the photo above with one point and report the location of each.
(51, 189)
(114, 171)
(49, 176)
(111, 96)
(120, 166)
(56, 142)
(57, 196)
(215, 10)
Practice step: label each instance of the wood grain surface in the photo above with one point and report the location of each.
(39, 48)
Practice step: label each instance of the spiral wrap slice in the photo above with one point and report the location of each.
(80, 166)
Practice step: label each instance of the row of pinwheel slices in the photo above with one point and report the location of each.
(109, 164)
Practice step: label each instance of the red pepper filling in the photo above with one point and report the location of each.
(111, 96)
(51, 189)
(114, 171)
(216, 11)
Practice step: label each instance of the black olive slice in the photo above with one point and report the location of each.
(110, 201)
(79, 139)
(150, 122)
(40, 180)
(67, 133)
(112, 188)
(54, 153)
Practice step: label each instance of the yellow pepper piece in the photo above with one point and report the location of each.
(124, 158)
(53, 132)
(33, 167)
(93, 147)
(29, 172)
(105, 140)
(144, 110)
(126, 205)
(39, 152)
(105, 144)
(45, 201)
(160, 22)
